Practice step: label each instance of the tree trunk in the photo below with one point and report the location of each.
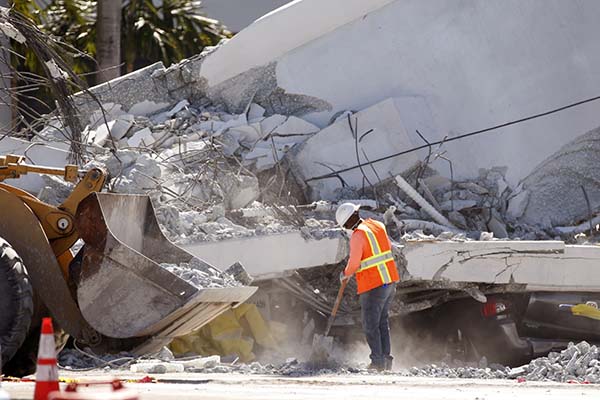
(6, 103)
(108, 40)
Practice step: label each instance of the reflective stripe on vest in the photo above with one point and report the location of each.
(378, 259)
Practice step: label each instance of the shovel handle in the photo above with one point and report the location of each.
(336, 306)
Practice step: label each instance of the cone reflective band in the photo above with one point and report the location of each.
(46, 375)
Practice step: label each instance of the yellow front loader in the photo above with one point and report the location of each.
(112, 295)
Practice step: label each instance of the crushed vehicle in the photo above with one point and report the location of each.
(521, 297)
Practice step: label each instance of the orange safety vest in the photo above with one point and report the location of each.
(377, 265)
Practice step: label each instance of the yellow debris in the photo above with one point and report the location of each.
(585, 310)
(234, 332)
(249, 314)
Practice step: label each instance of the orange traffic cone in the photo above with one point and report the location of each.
(46, 375)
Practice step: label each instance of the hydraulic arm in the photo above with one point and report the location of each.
(12, 167)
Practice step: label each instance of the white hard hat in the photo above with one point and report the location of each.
(344, 212)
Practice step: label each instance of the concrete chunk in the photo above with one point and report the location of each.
(157, 367)
(142, 137)
(147, 107)
(109, 112)
(518, 204)
(255, 113)
(240, 190)
(178, 107)
(117, 128)
(388, 135)
(202, 362)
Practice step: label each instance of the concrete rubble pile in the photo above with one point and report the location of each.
(201, 275)
(205, 178)
(213, 174)
(199, 162)
(467, 371)
(165, 362)
(196, 165)
(578, 363)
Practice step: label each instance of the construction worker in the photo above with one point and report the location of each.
(376, 276)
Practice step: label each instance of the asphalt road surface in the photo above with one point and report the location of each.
(250, 387)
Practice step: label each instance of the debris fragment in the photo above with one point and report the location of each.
(201, 275)
(9, 30)
(55, 71)
(413, 194)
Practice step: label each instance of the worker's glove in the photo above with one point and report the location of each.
(343, 277)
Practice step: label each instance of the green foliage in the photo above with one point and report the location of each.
(41, 79)
(74, 23)
(172, 31)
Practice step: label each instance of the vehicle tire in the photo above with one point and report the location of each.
(16, 301)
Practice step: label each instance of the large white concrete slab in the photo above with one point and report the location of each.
(537, 265)
(540, 265)
(340, 146)
(271, 256)
(475, 63)
(281, 31)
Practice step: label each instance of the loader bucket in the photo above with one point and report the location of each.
(122, 290)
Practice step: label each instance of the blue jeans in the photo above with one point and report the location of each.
(374, 311)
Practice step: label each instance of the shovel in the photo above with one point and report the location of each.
(323, 344)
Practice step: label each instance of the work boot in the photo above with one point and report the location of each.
(376, 366)
(388, 363)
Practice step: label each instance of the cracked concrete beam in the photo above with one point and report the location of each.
(272, 256)
(154, 83)
(259, 85)
(540, 265)
(126, 90)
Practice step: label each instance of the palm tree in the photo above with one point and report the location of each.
(108, 39)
